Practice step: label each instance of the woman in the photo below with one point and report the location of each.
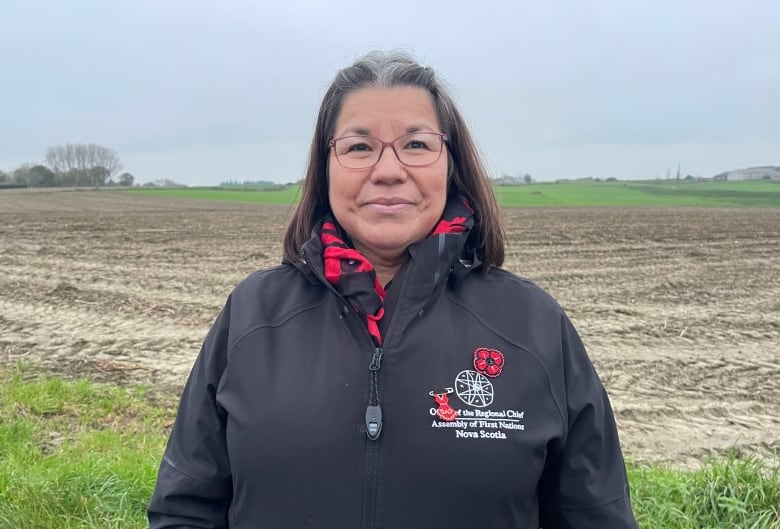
(388, 373)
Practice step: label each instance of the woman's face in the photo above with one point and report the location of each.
(389, 206)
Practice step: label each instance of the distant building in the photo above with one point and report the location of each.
(767, 172)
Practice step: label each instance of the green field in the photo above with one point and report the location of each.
(82, 455)
(287, 195)
(653, 193)
(573, 194)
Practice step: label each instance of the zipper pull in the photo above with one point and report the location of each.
(373, 422)
(374, 412)
(376, 359)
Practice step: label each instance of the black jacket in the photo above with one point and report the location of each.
(271, 429)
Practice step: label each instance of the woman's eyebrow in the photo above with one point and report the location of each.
(360, 131)
(418, 128)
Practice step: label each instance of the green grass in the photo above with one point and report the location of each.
(728, 493)
(570, 194)
(648, 193)
(287, 195)
(78, 455)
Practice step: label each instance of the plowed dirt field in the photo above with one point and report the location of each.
(679, 308)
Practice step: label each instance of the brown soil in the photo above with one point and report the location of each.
(679, 308)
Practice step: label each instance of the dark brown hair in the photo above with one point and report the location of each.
(467, 174)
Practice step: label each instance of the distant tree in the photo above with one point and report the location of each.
(71, 178)
(93, 177)
(527, 178)
(41, 176)
(83, 158)
(21, 175)
(126, 179)
(97, 176)
(4, 177)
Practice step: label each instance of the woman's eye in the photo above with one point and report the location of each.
(359, 147)
(416, 144)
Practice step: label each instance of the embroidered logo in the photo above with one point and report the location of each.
(474, 389)
(488, 362)
(445, 412)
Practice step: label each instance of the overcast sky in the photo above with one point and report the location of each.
(204, 92)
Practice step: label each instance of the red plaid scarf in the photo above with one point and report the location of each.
(354, 276)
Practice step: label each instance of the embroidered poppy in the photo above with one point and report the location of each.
(489, 362)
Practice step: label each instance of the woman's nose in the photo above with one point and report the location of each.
(388, 168)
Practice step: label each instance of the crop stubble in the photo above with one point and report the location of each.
(679, 308)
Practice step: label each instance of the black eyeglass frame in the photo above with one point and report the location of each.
(391, 144)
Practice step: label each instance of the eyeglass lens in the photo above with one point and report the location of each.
(416, 149)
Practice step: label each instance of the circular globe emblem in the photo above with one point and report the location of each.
(474, 388)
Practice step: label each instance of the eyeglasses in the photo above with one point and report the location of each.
(417, 149)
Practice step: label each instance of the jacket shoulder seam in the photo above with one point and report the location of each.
(277, 323)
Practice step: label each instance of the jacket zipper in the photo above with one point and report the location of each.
(373, 423)
(373, 431)
(373, 419)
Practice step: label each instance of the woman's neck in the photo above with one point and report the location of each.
(385, 265)
(385, 275)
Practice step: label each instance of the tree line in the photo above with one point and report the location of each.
(508, 180)
(71, 165)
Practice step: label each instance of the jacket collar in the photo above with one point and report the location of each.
(440, 257)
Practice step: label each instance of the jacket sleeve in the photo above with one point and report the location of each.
(584, 484)
(193, 487)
